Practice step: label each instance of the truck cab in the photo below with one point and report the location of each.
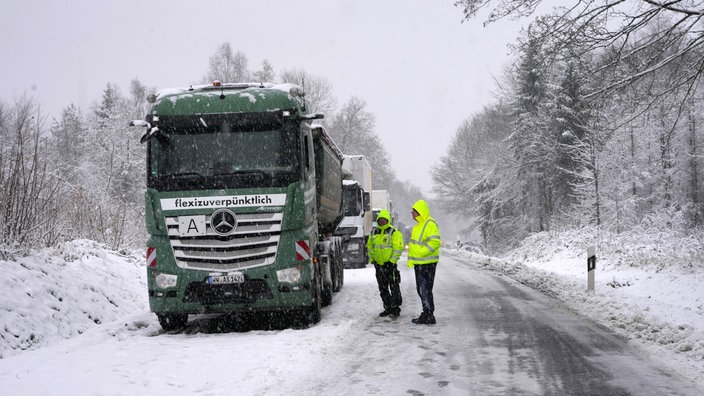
(241, 198)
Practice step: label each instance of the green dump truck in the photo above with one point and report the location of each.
(244, 192)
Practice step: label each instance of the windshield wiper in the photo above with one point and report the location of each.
(247, 172)
(185, 174)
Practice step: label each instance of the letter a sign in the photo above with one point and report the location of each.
(191, 225)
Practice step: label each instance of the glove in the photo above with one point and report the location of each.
(393, 270)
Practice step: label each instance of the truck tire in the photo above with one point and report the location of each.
(326, 295)
(342, 276)
(339, 268)
(313, 313)
(341, 265)
(334, 273)
(338, 281)
(326, 272)
(171, 322)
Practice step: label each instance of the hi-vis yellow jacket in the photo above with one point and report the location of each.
(385, 243)
(424, 245)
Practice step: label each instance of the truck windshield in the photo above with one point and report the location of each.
(223, 154)
(351, 200)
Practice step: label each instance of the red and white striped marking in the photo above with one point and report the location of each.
(302, 250)
(151, 257)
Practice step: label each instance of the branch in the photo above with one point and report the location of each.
(668, 6)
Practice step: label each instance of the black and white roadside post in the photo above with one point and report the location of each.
(591, 267)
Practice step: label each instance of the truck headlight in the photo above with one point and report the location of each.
(164, 281)
(289, 275)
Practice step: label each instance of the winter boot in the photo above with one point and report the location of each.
(384, 313)
(420, 320)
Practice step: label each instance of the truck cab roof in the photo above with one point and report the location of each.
(221, 98)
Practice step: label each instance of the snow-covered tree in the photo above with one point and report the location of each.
(114, 171)
(319, 94)
(474, 153)
(352, 128)
(591, 26)
(530, 140)
(29, 198)
(228, 66)
(265, 74)
(473, 178)
(69, 142)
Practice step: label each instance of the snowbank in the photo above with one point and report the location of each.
(649, 287)
(61, 292)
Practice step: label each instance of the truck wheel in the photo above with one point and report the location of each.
(326, 295)
(313, 313)
(171, 322)
(341, 265)
(326, 271)
(336, 282)
(341, 278)
(334, 273)
(339, 270)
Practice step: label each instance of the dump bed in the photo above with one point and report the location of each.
(328, 174)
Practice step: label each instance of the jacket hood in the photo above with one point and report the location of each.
(383, 214)
(422, 208)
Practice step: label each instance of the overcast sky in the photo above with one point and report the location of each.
(420, 70)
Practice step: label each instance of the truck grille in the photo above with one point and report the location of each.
(252, 244)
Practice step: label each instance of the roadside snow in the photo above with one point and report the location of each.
(62, 292)
(648, 288)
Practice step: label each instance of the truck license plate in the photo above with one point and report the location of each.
(236, 277)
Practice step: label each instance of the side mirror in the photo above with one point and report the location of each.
(314, 116)
(151, 131)
(140, 123)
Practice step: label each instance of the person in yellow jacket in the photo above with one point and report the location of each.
(385, 246)
(423, 257)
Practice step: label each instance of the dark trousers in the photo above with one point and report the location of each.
(425, 277)
(389, 278)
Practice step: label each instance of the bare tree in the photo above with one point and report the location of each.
(693, 150)
(138, 95)
(228, 66)
(474, 153)
(113, 173)
(319, 96)
(626, 29)
(352, 128)
(265, 74)
(28, 200)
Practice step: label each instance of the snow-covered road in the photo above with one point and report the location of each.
(493, 336)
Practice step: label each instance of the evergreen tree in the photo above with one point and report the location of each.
(530, 142)
(570, 119)
(69, 142)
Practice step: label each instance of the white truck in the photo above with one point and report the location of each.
(382, 200)
(356, 225)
